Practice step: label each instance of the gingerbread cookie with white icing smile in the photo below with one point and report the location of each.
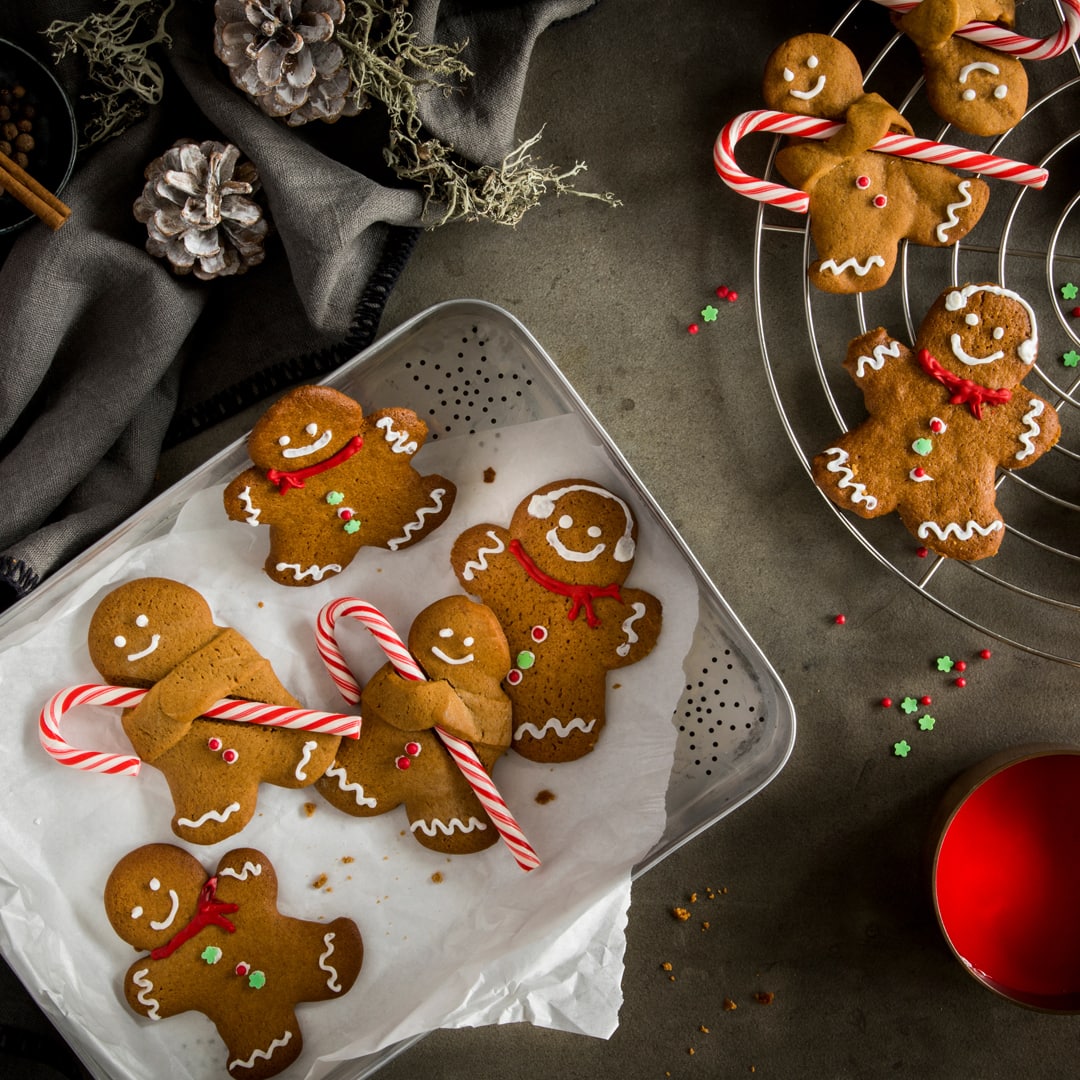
(329, 480)
(556, 580)
(942, 419)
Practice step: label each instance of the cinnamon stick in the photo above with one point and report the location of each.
(18, 183)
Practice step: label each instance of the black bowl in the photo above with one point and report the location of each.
(55, 138)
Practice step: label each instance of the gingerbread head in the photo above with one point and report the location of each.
(400, 757)
(220, 946)
(943, 418)
(555, 579)
(812, 75)
(328, 480)
(160, 634)
(979, 90)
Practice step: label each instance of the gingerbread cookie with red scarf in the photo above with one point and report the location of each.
(400, 759)
(160, 634)
(220, 946)
(328, 480)
(942, 419)
(555, 580)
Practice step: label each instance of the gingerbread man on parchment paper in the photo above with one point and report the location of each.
(942, 419)
(220, 946)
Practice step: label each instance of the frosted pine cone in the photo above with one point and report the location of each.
(196, 212)
(281, 53)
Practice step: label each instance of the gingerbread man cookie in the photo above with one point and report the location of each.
(979, 90)
(329, 481)
(942, 419)
(555, 579)
(220, 946)
(157, 633)
(400, 759)
(862, 203)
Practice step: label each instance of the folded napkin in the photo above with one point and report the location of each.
(106, 356)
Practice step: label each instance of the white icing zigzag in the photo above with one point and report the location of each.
(145, 986)
(264, 1054)
(332, 983)
(447, 829)
(434, 508)
(862, 269)
(250, 509)
(961, 532)
(556, 725)
(628, 629)
(400, 439)
(877, 361)
(361, 798)
(1033, 430)
(214, 815)
(249, 868)
(305, 758)
(317, 572)
(953, 220)
(480, 562)
(847, 478)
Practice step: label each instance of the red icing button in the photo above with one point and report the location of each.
(880, 201)
(538, 633)
(412, 749)
(919, 471)
(214, 743)
(230, 757)
(345, 514)
(514, 677)
(403, 762)
(242, 968)
(862, 181)
(937, 426)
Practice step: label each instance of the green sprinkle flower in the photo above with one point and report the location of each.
(909, 705)
(709, 313)
(525, 659)
(351, 526)
(926, 723)
(334, 498)
(944, 663)
(256, 980)
(901, 748)
(211, 954)
(1071, 358)
(1069, 291)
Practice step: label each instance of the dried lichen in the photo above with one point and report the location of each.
(115, 46)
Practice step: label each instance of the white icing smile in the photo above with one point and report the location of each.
(807, 95)
(311, 448)
(164, 924)
(572, 554)
(468, 658)
(155, 641)
(966, 357)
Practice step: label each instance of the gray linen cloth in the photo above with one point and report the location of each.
(105, 355)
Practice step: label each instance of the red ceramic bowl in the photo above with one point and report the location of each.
(1006, 875)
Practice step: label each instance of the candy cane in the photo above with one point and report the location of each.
(1002, 40)
(463, 754)
(812, 127)
(248, 712)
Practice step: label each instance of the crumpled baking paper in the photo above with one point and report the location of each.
(449, 941)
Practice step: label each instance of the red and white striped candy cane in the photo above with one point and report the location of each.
(464, 755)
(811, 127)
(1002, 40)
(248, 712)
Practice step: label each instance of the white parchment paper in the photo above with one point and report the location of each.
(458, 941)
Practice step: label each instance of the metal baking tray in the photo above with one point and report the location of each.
(468, 367)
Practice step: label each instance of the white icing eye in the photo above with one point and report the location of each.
(972, 319)
(468, 642)
(594, 531)
(446, 632)
(968, 95)
(999, 332)
(154, 884)
(119, 641)
(565, 521)
(811, 61)
(142, 620)
(312, 429)
(789, 75)
(1001, 92)
(284, 440)
(136, 912)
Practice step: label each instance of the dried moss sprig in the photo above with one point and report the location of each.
(116, 46)
(387, 64)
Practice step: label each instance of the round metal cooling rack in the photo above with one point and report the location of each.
(1028, 595)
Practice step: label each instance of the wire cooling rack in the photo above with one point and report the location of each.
(1028, 595)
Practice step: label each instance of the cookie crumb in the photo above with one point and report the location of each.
(680, 913)
(693, 898)
(666, 965)
(764, 997)
(691, 1051)
(729, 1005)
(346, 859)
(489, 475)
(319, 882)
(437, 877)
(544, 797)
(703, 1029)
(309, 808)
(704, 926)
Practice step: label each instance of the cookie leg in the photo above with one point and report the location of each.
(556, 739)
(299, 571)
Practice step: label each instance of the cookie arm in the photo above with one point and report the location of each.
(639, 629)
(410, 705)
(482, 562)
(873, 361)
(250, 497)
(395, 433)
(1031, 428)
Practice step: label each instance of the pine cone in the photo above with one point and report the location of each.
(281, 53)
(196, 213)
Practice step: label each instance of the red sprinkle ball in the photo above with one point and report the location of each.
(693, 328)
(961, 682)
(840, 620)
(1076, 312)
(926, 700)
(985, 654)
(886, 702)
(960, 665)
(732, 296)
(922, 552)
(722, 291)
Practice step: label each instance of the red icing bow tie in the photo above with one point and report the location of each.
(580, 595)
(962, 391)
(284, 479)
(210, 911)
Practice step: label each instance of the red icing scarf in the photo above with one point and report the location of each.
(580, 595)
(295, 479)
(210, 911)
(962, 391)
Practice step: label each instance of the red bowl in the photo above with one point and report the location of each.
(1006, 875)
